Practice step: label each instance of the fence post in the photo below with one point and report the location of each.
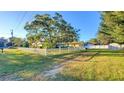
(60, 50)
(68, 49)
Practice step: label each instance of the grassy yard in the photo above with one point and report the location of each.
(104, 65)
(21, 65)
(81, 65)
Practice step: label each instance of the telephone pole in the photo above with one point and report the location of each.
(12, 33)
(12, 36)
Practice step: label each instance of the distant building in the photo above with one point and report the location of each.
(38, 44)
(111, 46)
(116, 46)
(3, 42)
(70, 44)
(91, 46)
(75, 44)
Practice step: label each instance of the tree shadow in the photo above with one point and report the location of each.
(92, 56)
(37, 63)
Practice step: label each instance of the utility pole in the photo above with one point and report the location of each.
(12, 36)
(12, 33)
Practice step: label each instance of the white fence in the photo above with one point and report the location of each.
(52, 51)
(98, 46)
(112, 46)
(34, 50)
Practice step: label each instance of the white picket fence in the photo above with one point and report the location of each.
(52, 51)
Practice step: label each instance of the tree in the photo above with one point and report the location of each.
(53, 29)
(17, 42)
(82, 43)
(65, 32)
(104, 39)
(112, 27)
(93, 41)
(25, 43)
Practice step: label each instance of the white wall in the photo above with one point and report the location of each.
(112, 46)
(97, 46)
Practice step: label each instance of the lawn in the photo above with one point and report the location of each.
(21, 65)
(79, 65)
(104, 65)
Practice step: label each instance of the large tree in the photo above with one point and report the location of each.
(50, 30)
(93, 41)
(104, 39)
(112, 27)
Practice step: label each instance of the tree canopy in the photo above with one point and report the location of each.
(93, 41)
(50, 30)
(18, 42)
(112, 27)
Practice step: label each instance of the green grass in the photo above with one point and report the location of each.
(24, 64)
(106, 65)
(81, 65)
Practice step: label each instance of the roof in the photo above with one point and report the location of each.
(74, 43)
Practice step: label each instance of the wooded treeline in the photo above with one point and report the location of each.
(111, 28)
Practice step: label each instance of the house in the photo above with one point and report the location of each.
(3, 43)
(38, 44)
(111, 46)
(91, 46)
(70, 44)
(75, 44)
(116, 46)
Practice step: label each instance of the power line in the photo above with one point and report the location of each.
(21, 20)
(31, 17)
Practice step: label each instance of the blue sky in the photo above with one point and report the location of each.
(86, 21)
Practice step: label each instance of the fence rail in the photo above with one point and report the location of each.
(52, 51)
